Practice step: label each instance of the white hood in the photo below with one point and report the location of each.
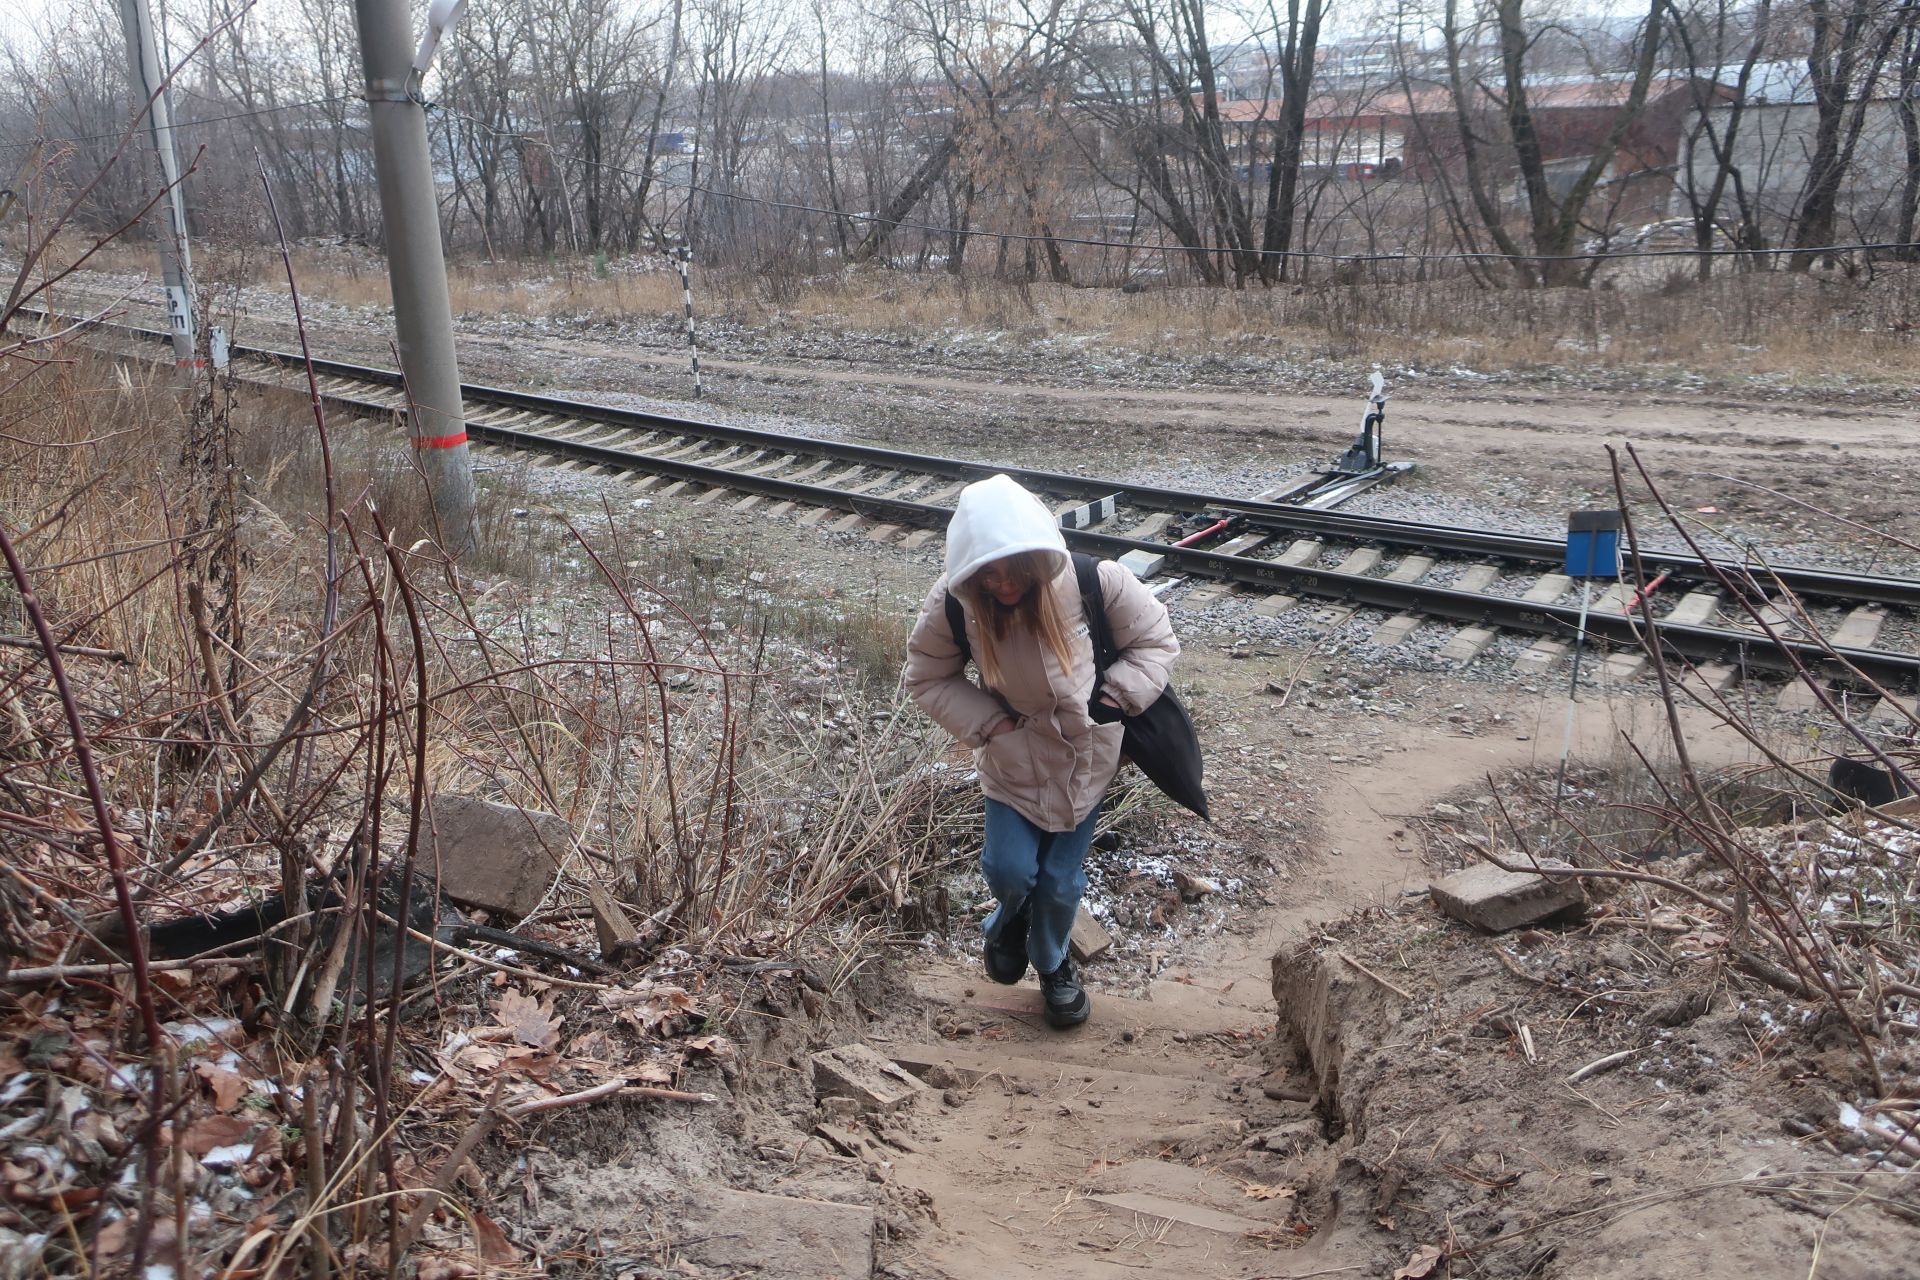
(996, 517)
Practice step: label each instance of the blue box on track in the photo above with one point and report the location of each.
(1593, 544)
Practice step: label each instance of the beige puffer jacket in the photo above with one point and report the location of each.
(1056, 763)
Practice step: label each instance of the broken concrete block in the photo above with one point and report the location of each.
(496, 856)
(856, 1071)
(1089, 938)
(745, 1233)
(1488, 898)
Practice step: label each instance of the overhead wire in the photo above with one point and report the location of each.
(184, 124)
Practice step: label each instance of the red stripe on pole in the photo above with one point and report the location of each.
(439, 442)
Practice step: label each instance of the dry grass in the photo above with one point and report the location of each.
(1766, 325)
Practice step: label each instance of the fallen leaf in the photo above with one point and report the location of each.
(1421, 1264)
(530, 1023)
(209, 1132)
(228, 1086)
(444, 1268)
(1265, 1191)
(717, 1046)
(495, 1249)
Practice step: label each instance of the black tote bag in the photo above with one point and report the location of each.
(1161, 739)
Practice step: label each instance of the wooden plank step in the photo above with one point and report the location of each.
(1192, 1215)
(1242, 545)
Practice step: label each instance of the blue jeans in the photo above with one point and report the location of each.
(1045, 870)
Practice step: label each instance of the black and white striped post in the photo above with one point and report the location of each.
(683, 258)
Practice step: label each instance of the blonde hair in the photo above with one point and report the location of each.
(1039, 611)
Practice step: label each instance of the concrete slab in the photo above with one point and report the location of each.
(1396, 629)
(749, 502)
(678, 486)
(1696, 609)
(919, 538)
(847, 523)
(1478, 577)
(1467, 644)
(747, 1233)
(1410, 569)
(1861, 628)
(1488, 898)
(1549, 588)
(495, 855)
(1304, 551)
(1144, 564)
(1625, 666)
(1540, 657)
(1797, 697)
(1714, 677)
(1274, 606)
(1362, 561)
(1206, 593)
(1151, 526)
(1898, 711)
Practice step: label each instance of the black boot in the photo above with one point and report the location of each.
(1065, 1000)
(1006, 955)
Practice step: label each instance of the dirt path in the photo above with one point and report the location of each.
(1078, 1155)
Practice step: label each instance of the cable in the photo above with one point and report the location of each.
(1162, 246)
(187, 124)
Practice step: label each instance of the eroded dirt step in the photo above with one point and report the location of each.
(1142, 1165)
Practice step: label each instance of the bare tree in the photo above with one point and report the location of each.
(1851, 42)
(1481, 103)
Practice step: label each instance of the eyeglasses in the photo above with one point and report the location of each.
(996, 577)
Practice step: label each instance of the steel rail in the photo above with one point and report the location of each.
(1806, 581)
(1699, 643)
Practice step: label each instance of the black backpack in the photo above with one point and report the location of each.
(1161, 739)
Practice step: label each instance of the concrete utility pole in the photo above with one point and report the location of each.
(409, 211)
(176, 266)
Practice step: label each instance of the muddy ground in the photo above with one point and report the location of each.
(1248, 1100)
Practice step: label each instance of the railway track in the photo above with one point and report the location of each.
(1288, 556)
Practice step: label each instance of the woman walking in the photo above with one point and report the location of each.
(1043, 722)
